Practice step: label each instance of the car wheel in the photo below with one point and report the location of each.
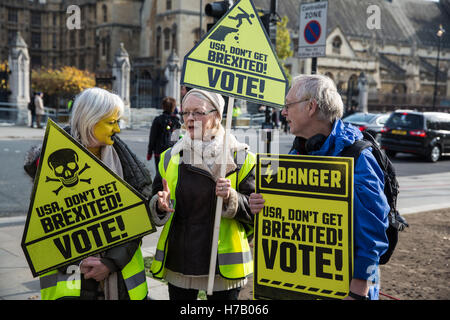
(435, 154)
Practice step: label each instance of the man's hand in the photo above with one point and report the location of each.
(358, 286)
(164, 198)
(256, 202)
(92, 267)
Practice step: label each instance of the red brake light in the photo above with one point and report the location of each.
(385, 129)
(418, 133)
(405, 113)
(362, 128)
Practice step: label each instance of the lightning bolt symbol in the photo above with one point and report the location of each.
(269, 173)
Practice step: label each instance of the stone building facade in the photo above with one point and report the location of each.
(398, 57)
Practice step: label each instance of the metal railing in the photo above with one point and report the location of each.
(9, 113)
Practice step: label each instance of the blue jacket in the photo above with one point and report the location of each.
(370, 207)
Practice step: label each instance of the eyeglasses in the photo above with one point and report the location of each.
(196, 114)
(286, 106)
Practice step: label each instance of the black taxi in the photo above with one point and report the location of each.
(421, 133)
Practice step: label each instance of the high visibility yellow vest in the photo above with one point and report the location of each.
(55, 285)
(233, 253)
(236, 112)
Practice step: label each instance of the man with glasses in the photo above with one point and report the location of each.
(313, 110)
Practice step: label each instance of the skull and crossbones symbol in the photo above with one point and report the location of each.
(64, 164)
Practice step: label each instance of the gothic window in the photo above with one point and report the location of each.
(54, 41)
(35, 61)
(72, 41)
(11, 35)
(174, 37)
(337, 43)
(12, 15)
(82, 60)
(35, 18)
(167, 39)
(158, 42)
(105, 13)
(104, 47)
(168, 4)
(35, 40)
(82, 38)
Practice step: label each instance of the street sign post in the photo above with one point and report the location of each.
(313, 29)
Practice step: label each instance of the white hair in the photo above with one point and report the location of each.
(89, 107)
(322, 89)
(202, 96)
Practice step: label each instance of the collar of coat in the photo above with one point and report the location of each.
(207, 155)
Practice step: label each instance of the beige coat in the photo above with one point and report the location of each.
(39, 105)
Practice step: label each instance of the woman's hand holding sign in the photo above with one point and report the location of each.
(256, 201)
(164, 198)
(223, 189)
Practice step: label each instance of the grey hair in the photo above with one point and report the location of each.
(322, 89)
(89, 107)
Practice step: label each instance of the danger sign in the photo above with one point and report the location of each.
(313, 29)
(79, 206)
(236, 58)
(303, 243)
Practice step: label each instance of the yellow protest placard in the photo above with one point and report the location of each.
(303, 235)
(78, 207)
(236, 58)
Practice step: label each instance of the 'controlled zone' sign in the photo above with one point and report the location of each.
(313, 29)
(79, 207)
(303, 244)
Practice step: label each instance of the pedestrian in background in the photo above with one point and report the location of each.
(313, 110)
(32, 109)
(39, 107)
(163, 127)
(275, 118)
(185, 191)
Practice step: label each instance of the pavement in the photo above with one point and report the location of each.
(417, 194)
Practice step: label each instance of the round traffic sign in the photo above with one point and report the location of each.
(312, 32)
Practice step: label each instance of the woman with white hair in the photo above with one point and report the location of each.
(185, 191)
(94, 123)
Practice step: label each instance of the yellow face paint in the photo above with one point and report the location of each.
(105, 128)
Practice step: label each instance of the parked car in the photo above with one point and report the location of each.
(372, 123)
(422, 133)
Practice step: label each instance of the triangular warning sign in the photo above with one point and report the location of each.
(236, 58)
(78, 207)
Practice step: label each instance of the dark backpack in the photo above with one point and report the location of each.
(391, 188)
(169, 123)
(31, 105)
